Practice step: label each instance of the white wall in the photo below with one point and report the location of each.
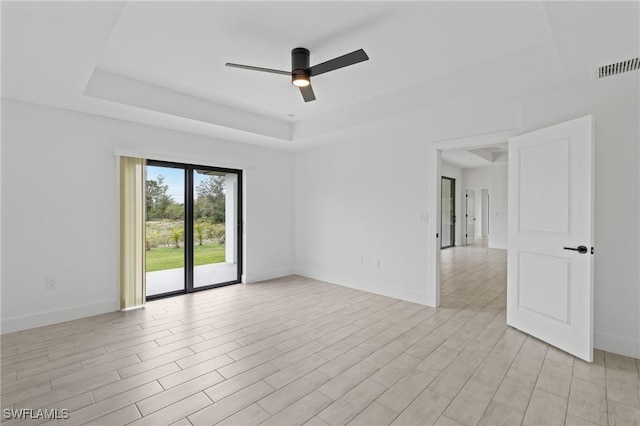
(498, 207)
(356, 205)
(451, 171)
(366, 197)
(362, 198)
(60, 208)
(479, 177)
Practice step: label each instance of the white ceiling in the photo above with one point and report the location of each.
(477, 157)
(162, 63)
(183, 47)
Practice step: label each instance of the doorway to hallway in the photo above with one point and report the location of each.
(550, 227)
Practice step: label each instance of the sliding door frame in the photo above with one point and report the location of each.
(189, 170)
(453, 212)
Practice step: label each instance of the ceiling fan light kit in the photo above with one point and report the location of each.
(301, 72)
(300, 75)
(300, 80)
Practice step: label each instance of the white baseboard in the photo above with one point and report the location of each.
(501, 246)
(616, 344)
(25, 322)
(268, 275)
(396, 293)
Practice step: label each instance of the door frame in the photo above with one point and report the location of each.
(188, 225)
(435, 165)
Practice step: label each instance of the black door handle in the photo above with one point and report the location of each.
(579, 249)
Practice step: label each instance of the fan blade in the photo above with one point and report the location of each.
(249, 67)
(307, 93)
(339, 62)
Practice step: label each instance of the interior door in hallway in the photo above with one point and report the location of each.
(550, 262)
(470, 215)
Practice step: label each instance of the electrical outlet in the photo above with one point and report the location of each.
(50, 283)
(378, 264)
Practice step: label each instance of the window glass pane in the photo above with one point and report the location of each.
(447, 216)
(214, 227)
(164, 230)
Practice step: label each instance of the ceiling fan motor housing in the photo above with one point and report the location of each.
(300, 63)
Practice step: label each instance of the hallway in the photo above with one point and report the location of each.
(473, 276)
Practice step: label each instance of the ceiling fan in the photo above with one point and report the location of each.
(301, 72)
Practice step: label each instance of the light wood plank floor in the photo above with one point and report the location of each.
(296, 351)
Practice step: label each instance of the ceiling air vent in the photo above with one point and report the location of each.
(619, 68)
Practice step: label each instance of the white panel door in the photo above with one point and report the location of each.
(471, 217)
(550, 262)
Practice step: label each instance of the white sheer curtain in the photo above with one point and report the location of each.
(132, 232)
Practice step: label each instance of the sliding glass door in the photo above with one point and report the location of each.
(193, 228)
(448, 203)
(165, 222)
(215, 235)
